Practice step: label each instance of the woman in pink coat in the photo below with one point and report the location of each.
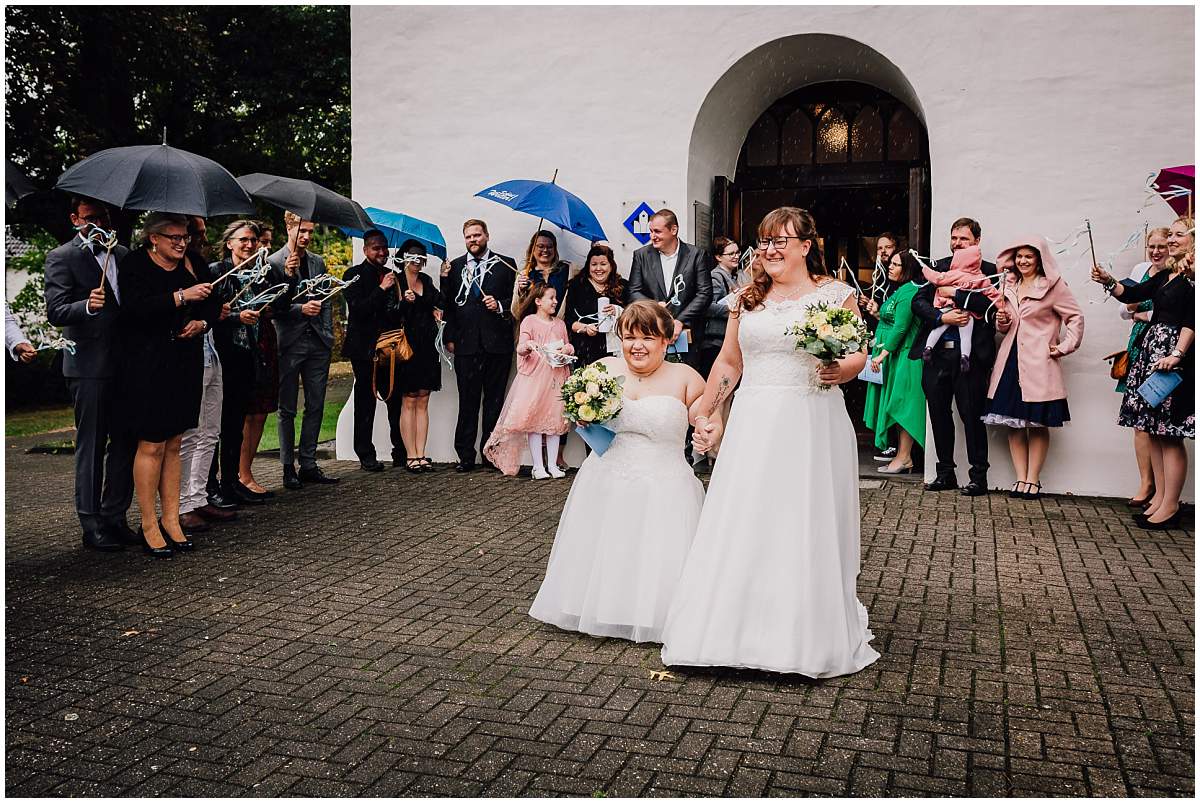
(1027, 393)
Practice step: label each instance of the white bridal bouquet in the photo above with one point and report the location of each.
(591, 395)
(829, 333)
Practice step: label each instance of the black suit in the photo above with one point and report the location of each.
(944, 381)
(367, 303)
(483, 347)
(103, 452)
(692, 265)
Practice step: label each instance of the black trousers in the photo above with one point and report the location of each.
(237, 377)
(943, 382)
(364, 412)
(103, 455)
(478, 375)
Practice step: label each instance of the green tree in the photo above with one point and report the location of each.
(258, 89)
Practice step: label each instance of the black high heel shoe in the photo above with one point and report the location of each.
(182, 546)
(1142, 503)
(156, 551)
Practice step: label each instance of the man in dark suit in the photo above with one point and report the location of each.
(666, 264)
(81, 297)
(479, 332)
(943, 379)
(305, 330)
(366, 300)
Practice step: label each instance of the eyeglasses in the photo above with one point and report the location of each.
(780, 243)
(730, 253)
(177, 238)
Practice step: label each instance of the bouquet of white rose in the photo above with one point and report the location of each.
(829, 333)
(591, 395)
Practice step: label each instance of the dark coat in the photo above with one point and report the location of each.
(471, 326)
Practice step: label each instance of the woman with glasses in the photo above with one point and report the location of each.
(542, 266)
(724, 282)
(417, 306)
(166, 308)
(237, 339)
(770, 579)
(1156, 252)
(265, 398)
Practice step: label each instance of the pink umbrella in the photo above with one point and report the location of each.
(1171, 183)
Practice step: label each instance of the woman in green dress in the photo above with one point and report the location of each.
(899, 401)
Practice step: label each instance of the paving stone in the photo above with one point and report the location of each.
(372, 639)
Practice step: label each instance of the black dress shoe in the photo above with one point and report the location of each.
(123, 533)
(371, 465)
(222, 501)
(463, 468)
(244, 495)
(942, 484)
(156, 551)
(1172, 523)
(973, 488)
(315, 474)
(290, 480)
(102, 540)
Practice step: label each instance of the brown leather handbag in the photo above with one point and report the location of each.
(1120, 364)
(391, 347)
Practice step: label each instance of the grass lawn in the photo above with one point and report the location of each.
(341, 380)
(31, 422)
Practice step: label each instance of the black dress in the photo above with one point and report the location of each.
(1174, 309)
(160, 375)
(424, 370)
(581, 303)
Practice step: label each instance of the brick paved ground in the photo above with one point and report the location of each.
(371, 639)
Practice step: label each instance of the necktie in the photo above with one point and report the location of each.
(476, 292)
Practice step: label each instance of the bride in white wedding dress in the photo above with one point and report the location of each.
(632, 511)
(770, 581)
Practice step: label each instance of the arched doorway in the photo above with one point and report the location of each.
(823, 122)
(850, 153)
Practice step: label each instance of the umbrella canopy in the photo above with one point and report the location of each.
(159, 178)
(399, 227)
(307, 199)
(547, 200)
(16, 184)
(1170, 182)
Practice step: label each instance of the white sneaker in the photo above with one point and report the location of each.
(540, 474)
(557, 472)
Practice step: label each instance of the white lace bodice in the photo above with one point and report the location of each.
(650, 437)
(769, 356)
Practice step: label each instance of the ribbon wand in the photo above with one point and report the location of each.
(238, 266)
(1091, 244)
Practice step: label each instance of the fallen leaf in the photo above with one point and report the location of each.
(71, 717)
(130, 633)
(663, 675)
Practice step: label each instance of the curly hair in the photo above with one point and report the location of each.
(801, 222)
(614, 288)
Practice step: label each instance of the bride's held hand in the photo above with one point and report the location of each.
(830, 372)
(707, 433)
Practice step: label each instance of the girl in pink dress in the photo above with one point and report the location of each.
(533, 409)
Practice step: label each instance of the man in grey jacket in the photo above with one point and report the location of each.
(676, 275)
(305, 329)
(82, 297)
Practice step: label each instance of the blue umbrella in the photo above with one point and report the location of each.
(547, 200)
(399, 227)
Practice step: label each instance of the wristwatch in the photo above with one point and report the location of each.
(1177, 354)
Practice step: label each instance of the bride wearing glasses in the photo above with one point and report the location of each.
(770, 580)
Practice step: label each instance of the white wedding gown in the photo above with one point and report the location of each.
(625, 529)
(770, 580)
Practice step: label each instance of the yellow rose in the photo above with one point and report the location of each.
(591, 374)
(824, 330)
(845, 332)
(581, 398)
(586, 413)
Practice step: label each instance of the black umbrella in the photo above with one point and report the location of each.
(16, 184)
(159, 178)
(308, 200)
